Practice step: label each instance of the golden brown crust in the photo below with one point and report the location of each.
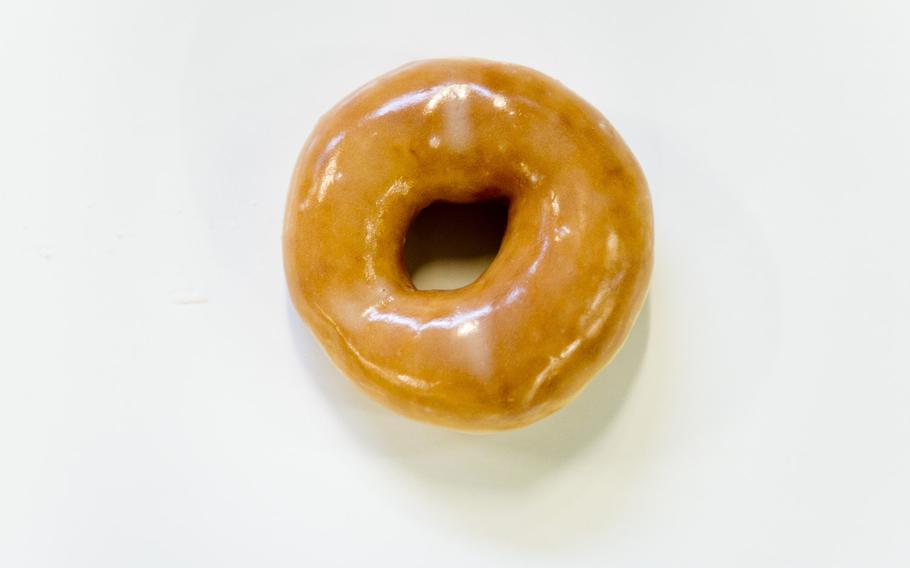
(558, 300)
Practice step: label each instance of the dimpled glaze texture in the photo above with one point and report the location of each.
(558, 300)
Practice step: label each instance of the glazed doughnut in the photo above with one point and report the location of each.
(557, 301)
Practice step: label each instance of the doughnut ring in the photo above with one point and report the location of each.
(558, 300)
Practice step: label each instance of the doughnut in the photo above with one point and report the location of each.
(560, 296)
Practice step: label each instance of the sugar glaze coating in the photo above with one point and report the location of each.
(558, 300)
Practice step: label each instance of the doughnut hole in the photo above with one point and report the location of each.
(449, 245)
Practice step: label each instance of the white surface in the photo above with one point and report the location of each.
(161, 404)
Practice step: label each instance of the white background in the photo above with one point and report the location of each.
(162, 405)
